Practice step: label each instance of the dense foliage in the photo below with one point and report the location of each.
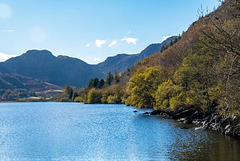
(104, 91)
(142, 86)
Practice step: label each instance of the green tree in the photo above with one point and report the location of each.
(68, 91)
(113, 99)
(167, 95)
(67, 95)
(222, 39)
(105, 97)
(143, 85)
(91, 83)
(94, 96)
(101, 83)
(109, 79)
(95, 83)
(196, 72)
(197, 76)
(116, 77)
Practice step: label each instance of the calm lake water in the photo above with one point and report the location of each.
(73, 131)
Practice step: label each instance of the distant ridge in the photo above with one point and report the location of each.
(121, 62)
(63, 70)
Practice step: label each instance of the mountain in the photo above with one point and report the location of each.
(121, 62)
(63, 70)
(14, 81)
(44, 66)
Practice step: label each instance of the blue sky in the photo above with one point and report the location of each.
(92, 30)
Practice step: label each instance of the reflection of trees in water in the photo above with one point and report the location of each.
(204, 145)
(164, 139)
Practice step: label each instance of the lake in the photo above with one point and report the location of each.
(75, 131)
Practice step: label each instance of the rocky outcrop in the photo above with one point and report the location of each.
(210, 120)
(228, 126)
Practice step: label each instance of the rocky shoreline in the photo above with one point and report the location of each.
(211, 120)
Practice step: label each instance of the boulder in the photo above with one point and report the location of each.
(181, 119)
(184, 127)
(197, 115)
(197, 122)
(236, 132)
(156, 112)
(187, 120)
(204, 127)
(215, 126)
(228, 131)
(183, 114)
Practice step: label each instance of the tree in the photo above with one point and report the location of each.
(196, 72)
(69, 92)
(143, 85)
(67, 95)
(95, 83)
(109, 78)
(101, 83)
(197, 76)
(94, 96)
(105, 97)
(166, 95)
(91, 83)
(113, 99)
(116, 77)
(221, 38)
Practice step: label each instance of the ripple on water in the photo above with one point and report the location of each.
(73, 131)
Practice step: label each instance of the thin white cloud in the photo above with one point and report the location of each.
(4, 57)
(96, 59)
(114, 42)
(130, 40)
(8, 30)
(87, 45)
(5, 11)
(165, 38)
(99, 43)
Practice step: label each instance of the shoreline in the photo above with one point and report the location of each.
(210, 120)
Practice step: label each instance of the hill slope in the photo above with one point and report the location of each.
(173, 56)
(14, 81)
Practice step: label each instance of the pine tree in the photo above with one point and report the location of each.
(116, 77)
(101, 83)
(109, 78)
(95, 83)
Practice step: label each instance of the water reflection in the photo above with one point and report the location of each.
(204, 145)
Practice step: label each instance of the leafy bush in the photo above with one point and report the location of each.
(94, 96)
